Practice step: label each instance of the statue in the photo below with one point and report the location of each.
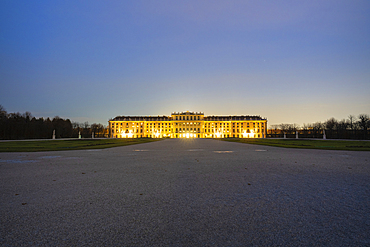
(92, 135)
(296, 135)
(79, 135)
(53, 134)
(324, 135)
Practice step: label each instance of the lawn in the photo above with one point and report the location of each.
(310, 144)
(76, 144)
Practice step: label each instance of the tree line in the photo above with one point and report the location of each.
(351, 128)
(16, 126)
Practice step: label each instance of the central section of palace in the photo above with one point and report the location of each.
(188, 125)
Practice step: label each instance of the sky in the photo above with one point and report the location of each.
(288, 61)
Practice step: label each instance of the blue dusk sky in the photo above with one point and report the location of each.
(289, 61)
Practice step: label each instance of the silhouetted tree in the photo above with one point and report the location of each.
(63, 128)
(352, 120)
(3, 121)
(98, 130)
(363, 121)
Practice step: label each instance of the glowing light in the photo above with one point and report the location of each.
(187, 135)
(248, 135)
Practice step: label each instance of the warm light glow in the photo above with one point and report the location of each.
(238, 128)
(248, 135)
(129, 135)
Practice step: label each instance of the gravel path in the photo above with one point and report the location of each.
(185, 193)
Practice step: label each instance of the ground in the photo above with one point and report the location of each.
(185, 192)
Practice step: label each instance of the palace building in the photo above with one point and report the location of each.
(188, 125)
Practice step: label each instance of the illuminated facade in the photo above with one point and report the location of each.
(188, 125)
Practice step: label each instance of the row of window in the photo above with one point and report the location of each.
(191, 129)
(183, 124)
(187, 117)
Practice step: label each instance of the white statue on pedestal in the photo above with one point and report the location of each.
(324, 135)
(296, 134)
(79, 135)
(53, 134)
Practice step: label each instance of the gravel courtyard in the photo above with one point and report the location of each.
(190, 192)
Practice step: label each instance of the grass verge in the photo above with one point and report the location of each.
(309, 144)
(77, 144)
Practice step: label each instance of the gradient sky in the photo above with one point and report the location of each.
(289, 61)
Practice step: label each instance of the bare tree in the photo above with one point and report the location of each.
(98, 129)
(331, 124)
(284, 127)
(274, 129)
(76, 125)
(343, 124)
(352, 120)
(364, 121)
(86, 125)
(317, 128)
(306, 129)
(3, 112)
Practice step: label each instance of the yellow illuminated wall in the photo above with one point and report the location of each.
(188, 125)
